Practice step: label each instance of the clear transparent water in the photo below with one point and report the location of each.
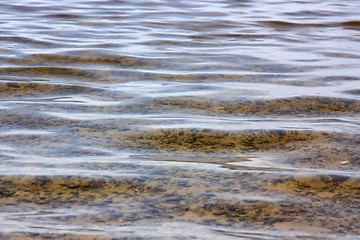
(179, 119)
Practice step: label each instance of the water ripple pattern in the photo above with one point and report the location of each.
(155, 119)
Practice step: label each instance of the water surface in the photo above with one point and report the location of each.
(179, 119)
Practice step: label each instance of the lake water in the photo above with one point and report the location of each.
(179, 119)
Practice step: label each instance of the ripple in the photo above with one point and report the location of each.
(62, 16)
(355, 91)
(139, 119)
(86, 58)
(286, 24)
(27, 40)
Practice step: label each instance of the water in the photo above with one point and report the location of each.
(179, 119)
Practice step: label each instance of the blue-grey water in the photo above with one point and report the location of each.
(154, 119)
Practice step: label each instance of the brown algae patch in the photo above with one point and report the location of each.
(297, 106)
(20, 90)
(50, 72)
(336, 187)
(235, 199)
(16, 89)
(85, 58)
(29, 191)
(212, 141)
(327, 203)
(284, 148)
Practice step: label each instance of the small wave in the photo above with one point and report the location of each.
(30, 41)
(89, 58)
(62, 16)
(286, 24)
(340, 55)
(350, 24)
(355, 92)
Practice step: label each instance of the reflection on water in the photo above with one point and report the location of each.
(179, 119)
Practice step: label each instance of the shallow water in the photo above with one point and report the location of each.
(179, 119)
